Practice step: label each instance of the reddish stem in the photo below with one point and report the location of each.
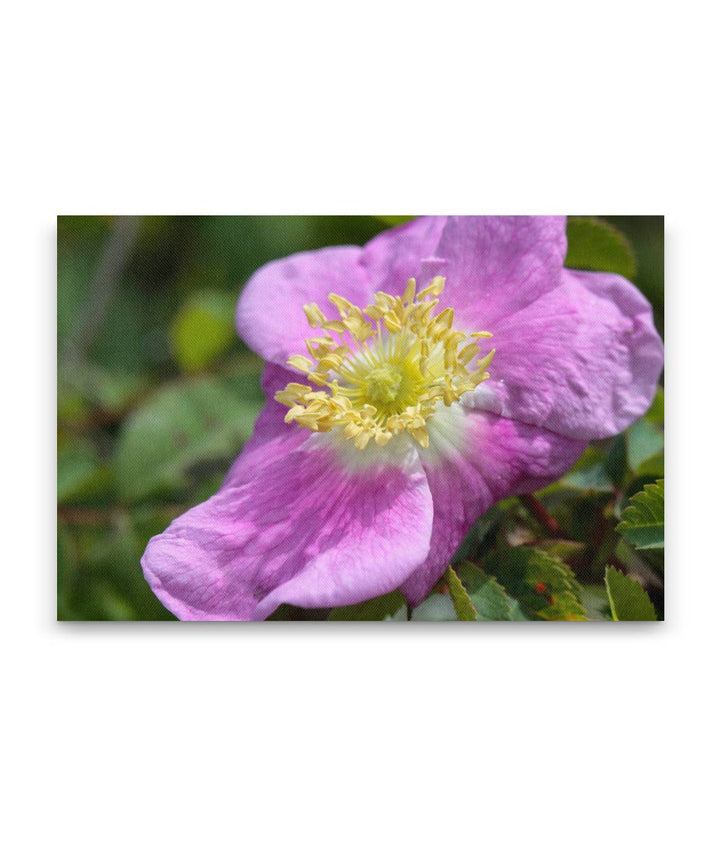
(542, 515)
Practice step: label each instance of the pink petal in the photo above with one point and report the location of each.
(270, 316)
(392, 257)
(495, 266)
(497, 458)
(582, 360)
(294, 528)
(270, 424)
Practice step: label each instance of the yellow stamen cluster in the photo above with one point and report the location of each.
(387, 369)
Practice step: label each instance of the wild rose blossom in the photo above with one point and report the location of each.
(411, 383)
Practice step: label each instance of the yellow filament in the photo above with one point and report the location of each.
(387, 369)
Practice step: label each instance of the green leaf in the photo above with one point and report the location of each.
(595, 245)
(393, 220)
(483, 529)
(561, 548)
(377, 609)
(489, 598)
(654, 466)
(656, 413)
(628, 599)
(643, 521)
(464, 608)
(437, 607)
(80, 473)
(640, 565)
(595, 601)
(589, 473)
(85, 387)
(616, 460)
(644, 441)
(184, 432)
(544, 586)
(203, 329)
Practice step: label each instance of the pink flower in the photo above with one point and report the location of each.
(390, 428)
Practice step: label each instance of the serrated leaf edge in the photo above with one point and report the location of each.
(648, 494)
(463, 605)
(613, 611)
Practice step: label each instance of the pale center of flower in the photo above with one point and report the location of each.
(384, 369)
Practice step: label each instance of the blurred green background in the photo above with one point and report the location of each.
(156, 394)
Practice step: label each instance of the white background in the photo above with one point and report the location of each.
(370, 739)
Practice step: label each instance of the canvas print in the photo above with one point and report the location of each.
(361, 418)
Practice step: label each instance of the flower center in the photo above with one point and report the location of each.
(382, 384)
(385, 369)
